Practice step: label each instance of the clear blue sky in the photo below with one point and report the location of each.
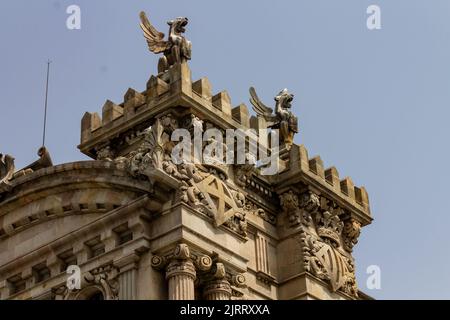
(375, 104)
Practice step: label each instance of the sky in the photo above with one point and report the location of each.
(372, 103)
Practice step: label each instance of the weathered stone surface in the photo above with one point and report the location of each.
(241, 115)
(203, 88)
(140, 226)
(111, 112)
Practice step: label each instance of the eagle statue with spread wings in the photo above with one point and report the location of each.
(176, 48)
(283, 119)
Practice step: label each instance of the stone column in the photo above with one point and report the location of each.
(181, 275)
(217, 287)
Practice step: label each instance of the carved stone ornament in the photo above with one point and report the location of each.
(328, 222)
(176, 48)
(105, 154)
(243, 172)
(290, 204)
(283, 119)
(202, 187)
(328, 263)
(6, 171)
(351, 232)
(310, 203)
(252, 208)
(216, 286)
(202, 262)
(100, 280)
(152, 154)
(7, 168)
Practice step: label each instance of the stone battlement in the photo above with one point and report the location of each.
(176, 88)
(313, 168)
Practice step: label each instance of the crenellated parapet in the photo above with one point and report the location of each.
(322, 220)
(311, 171)
(120, 124)
(142, 222)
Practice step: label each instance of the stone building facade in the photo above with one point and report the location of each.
(140, 226)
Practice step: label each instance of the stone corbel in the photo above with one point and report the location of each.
(350, 233)
(290, 204)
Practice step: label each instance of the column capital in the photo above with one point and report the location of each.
(218, 289)
(180, 267)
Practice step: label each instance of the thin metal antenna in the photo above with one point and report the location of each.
(46, 101)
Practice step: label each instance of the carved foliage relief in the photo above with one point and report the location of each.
(204, 187)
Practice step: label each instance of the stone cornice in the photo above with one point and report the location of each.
(95, 225)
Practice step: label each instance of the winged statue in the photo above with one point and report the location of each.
(282, 119)
(176, 48)
(6, 169)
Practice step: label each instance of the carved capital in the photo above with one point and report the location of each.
(219, 289)
(181, 268)
(239, 280)
(158, 262)
(216, 286)
(202, 262)
(182, 252)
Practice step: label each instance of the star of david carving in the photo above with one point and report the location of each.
(219, 198)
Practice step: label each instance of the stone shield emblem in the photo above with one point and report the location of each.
(335, 265)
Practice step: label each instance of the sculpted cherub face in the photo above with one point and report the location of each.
(285, 98)
(179, 24)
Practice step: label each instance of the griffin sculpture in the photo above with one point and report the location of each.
(283, 119)
(176, 49)
(6, 172)
(6, 168)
